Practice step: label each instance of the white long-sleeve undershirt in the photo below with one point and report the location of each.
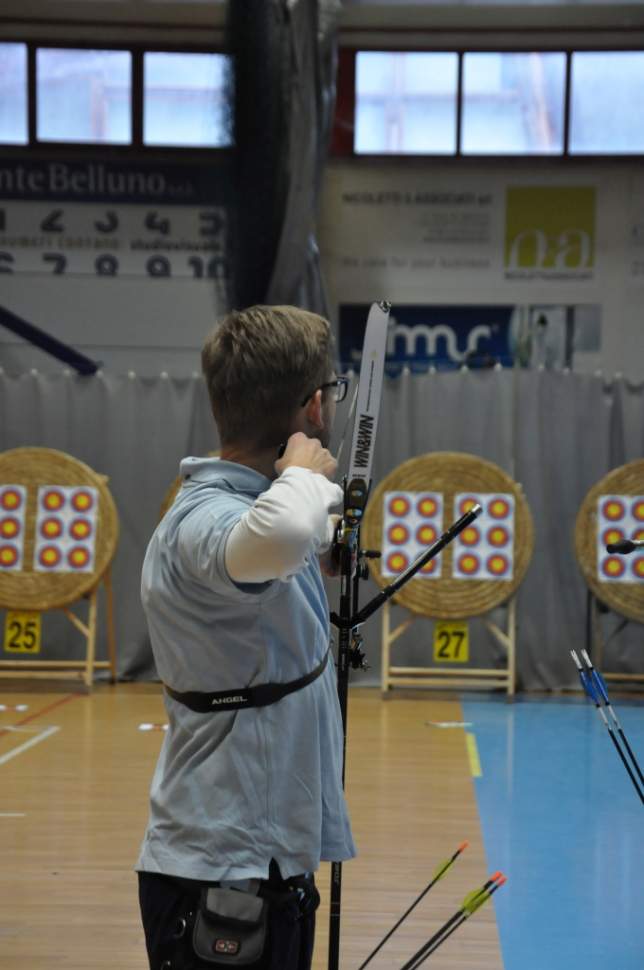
(287, 525)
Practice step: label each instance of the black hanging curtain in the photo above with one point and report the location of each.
(282, 96)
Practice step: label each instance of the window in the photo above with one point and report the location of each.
(184, 100)
(513, 103)
(607, 93)
(84, 96)
(13, 102)
(406, 103)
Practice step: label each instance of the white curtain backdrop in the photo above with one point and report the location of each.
(555, 432)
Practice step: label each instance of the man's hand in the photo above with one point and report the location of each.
(303, 452)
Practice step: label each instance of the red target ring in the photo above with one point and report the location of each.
(499, 508)
(8, 556)
(470, 536)
(498, 536)
(638, 568)
(467, 504)
(613, 510)
(498, 564)
(396, 562)
(53, 500)
(78, 557)
(51, 528)
(11, 499)
(80, 529)
(9, 527)
(613, 567)
(427, 507)
(612, 535)
(399, 505)
(637, 510)
(82, 500)
(469, 564)
(49, 557)
(398, 534)
(426, 535)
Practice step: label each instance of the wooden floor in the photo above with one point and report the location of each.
(73, 807)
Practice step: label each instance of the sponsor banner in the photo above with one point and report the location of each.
(448, 337)
(111, 219)
(442, 336)
(103, 181)
(409, 229)
(111, 241)
(550, 232)
(412, 230)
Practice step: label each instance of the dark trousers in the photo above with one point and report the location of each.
(164, 901)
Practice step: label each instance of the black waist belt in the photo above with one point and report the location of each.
(234, 700)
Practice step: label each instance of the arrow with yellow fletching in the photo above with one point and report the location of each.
(469, 906)
(441, 869)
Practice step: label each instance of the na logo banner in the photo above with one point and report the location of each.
(550, 232)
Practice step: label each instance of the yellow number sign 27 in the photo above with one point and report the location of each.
(451, 643)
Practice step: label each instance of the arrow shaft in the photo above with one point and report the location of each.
(444, 869)
(595, 688)
(458, 915)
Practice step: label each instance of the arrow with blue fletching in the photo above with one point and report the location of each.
(595, 688)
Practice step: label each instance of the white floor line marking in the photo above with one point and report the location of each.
(12, 814)
(28, 744)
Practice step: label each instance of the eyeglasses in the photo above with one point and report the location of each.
(341, 385)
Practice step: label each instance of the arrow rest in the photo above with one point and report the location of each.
(357, 656)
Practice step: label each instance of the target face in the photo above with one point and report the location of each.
(80, 529)
(396, 563)
(412, 522)
(66, 529)
(619, 517)
(13, 508)
(49, 557)
(637, 568)
(9, 556)
(398, 534)
(485, 549)
(468, 563)
(399, 506)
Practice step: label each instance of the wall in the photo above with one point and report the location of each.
(419, 235)
(538, 239)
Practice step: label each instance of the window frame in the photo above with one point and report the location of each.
(109, 150)
(342, 139)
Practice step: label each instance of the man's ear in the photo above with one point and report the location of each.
(313, 410)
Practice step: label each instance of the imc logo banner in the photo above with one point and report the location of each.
(550, 232)
(445, 337)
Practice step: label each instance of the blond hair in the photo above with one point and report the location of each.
(260, 364)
